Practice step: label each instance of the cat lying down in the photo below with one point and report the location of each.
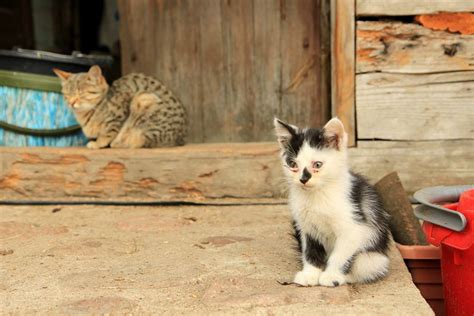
(135, 111)
(340, 225)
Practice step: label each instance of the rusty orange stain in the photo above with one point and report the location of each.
(370, 34)
(364, 55)
(111, 177)
(113, 171)
(462, 22)
(189, 188)
(146, 182)
(64, 159)
(10, 181)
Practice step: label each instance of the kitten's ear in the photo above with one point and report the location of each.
(335, 134)
(95, 72)
(63, 75)
(284, 131)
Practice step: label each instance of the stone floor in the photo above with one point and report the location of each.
(174, 260)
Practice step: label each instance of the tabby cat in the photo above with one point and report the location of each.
(135, 111)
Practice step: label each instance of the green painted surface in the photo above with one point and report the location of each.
(29, 81)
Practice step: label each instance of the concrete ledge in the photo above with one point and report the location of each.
(200, 260)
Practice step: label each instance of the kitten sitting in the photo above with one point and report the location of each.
(136, 111)
(342, 230)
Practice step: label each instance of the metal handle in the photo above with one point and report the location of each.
(432, 212)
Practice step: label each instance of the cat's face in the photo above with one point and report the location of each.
(83, 91)
(312, 157)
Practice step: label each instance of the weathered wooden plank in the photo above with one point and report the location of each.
(410, 7)
(267, 66)
(224, 59)
(411, 48)
(325, 59)
(237, 18)
(343, 63)
(419, 164)
(211, 172)
(415, 107)
(301, 91)
(137, 51)
(193, 172)
(214, 72)
(186, 65)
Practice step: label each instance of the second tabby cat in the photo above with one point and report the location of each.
(135, 111)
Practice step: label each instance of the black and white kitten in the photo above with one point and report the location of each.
(342, 229)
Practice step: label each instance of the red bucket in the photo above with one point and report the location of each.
(457, 258)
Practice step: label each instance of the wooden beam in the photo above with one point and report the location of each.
(419, 164)
(193, 172)
(411, 48)
(210, 173)
(410, 7)
(416, 106)
(343, 64)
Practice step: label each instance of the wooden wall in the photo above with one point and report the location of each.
(411, 86)
(413, 82)
(235, 64)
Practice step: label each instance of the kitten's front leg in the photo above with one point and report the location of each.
(340, 258)
(314, 260)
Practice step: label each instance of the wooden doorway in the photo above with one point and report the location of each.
(235, 64)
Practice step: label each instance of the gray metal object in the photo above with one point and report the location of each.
(431, 211)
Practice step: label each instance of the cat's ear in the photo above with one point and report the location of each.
(95, 72)
(63, 75)
(284, 131)
(335, 134)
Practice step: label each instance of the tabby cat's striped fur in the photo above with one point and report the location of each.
(135, 111)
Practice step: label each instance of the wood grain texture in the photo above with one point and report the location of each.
(193, 172)
(301, 92)
(411, 48)
(343, 64)
(415, 107)
(231, 61)
(210, 172)
(410, 7)
(419, 164)
(213, 77)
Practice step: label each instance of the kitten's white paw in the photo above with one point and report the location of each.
(307, 277)
(92, 145)
(332, 278)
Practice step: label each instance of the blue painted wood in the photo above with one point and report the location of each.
(38, 110)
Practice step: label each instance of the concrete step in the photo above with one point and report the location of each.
(176, 260)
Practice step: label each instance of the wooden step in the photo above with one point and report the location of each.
(207, 173)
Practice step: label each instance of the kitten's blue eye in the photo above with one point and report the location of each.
(317, 164)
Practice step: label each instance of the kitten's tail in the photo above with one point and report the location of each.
(368, 267)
